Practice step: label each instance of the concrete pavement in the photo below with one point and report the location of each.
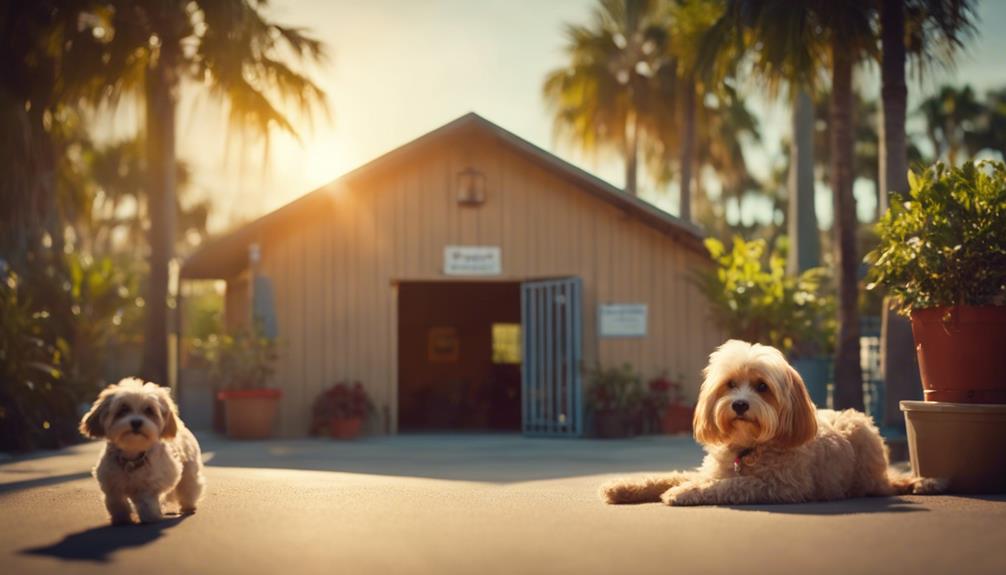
(470, 504)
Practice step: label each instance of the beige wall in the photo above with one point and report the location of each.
(334, 272)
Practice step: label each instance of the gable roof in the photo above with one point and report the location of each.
(227, 255)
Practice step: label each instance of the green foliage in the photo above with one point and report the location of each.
(343, 400)
(945, 245)
(618, 389)
(753, 299)
(243, 360)
(57, 321)
(32, 396)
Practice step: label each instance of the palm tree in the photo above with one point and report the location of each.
(688, 26)
(790, 42)
(617, 83)
(925, 30)
(950, 117)
(242, 58)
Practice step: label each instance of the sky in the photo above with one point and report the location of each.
(400, 68)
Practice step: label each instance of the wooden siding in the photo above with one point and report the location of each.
(335, 271)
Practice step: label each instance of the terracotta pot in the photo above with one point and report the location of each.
(250, 413)
(962, 353)
(345, 428)
(677, 419)
(611, 424)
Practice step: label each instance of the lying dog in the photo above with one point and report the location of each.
(766, 443)
(149, 452)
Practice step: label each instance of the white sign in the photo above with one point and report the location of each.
(472, 261)
(622, 320)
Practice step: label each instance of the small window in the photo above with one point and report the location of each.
(506, 343)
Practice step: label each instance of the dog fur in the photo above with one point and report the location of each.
(149, 454)
(777, 449)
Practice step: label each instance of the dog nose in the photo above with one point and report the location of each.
(136, 423)
(740, 407)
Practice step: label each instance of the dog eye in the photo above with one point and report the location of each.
(149, 410)
(731, 384)
(122, 411)
(761, 387)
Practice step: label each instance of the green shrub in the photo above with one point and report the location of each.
(614, 389)
(56, 323)
(945, 245)
(753, 299)
(242, 360)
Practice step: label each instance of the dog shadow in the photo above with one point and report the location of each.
(841, 507)
(98, 544)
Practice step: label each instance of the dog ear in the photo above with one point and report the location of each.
(802, 412)
(704, 421)
(169, 412)
(91, 425)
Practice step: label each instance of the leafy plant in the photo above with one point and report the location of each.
(946, 244)
(752, 298)
(243, 360)
(57, 322)
(615, 389)
(342, 401)
(662, 391)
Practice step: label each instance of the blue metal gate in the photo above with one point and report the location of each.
(552, 394)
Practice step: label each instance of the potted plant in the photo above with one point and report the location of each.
(675, 415)
(243, 364)
(615, 399)
(341, 410)
(752, 298)
(942, 258)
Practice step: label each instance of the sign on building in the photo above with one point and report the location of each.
(472, 261)
(622, 320)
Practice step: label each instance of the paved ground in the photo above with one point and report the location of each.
(471, 504)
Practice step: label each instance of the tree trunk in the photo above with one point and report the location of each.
(687, 147)
(898, 361)
(632, 154)
(848, 372)
(160, 105)
(804, 241)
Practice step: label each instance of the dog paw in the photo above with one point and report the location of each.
(930, 486)
(682, 496)
(613, 492)
(120, 521)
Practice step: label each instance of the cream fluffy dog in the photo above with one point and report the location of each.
(149, 453)
(766, 443)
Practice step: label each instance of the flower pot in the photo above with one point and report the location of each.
(611, 424)
(961, 442)
(962, 353)
(250, 413)
(816, 374)
(677, 419)
(345, 428)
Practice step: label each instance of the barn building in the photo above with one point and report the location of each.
(469, 280)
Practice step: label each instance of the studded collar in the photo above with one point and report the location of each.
(129, 465)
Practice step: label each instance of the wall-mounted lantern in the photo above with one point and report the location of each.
(471, 187)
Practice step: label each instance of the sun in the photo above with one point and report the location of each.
(323, 159)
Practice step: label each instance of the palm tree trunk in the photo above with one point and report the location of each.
(805, 243)
(848, 372)
(687, 147)
(632, 154)
(160, 105)
(898, 361)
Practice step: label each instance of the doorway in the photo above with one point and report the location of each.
(459, 356)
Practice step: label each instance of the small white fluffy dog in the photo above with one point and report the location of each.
(149, 453)
(766, 443)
